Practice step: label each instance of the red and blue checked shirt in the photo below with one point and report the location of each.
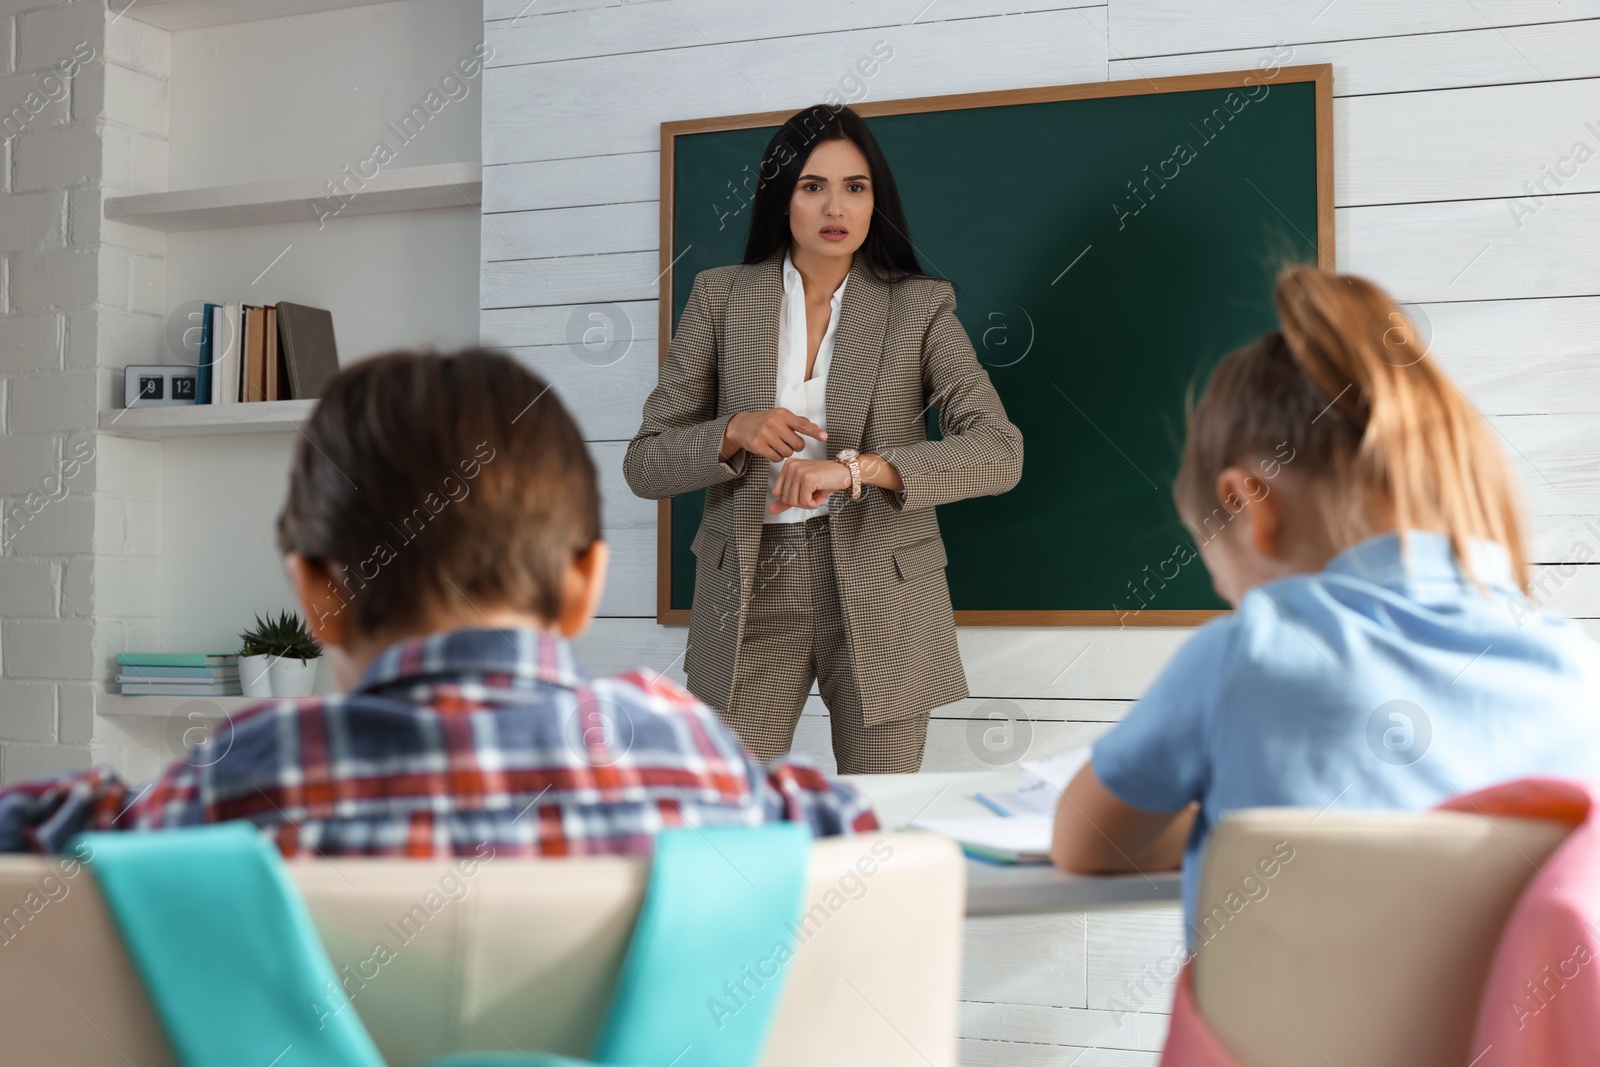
(448, 741)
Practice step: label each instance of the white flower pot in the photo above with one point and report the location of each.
(293, 677)
(253, 675)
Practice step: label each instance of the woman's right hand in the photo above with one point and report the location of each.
(774, 433)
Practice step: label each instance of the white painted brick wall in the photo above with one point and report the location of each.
(24, 464)
(74, 713)
(134, 468)
(48, 649)
(65, 528)
(46, 36)
(126, 588)
(130, 89)
(139, 46)
(48, 403)
(31, 342)
(136, 99)
(57, 158)
(134, 160)
(52, 284)
(29, 220)
(27, 103)
(141, 521)
(30, 711)
(47, 280)
(27, 588)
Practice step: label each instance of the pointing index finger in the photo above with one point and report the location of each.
(809, 428)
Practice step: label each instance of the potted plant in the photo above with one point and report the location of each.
(278, 658)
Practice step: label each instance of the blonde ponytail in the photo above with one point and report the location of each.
(1350, 387)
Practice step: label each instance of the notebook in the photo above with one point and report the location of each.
(1021, 839)
(1040, 788)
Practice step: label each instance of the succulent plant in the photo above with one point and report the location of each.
(285, 637)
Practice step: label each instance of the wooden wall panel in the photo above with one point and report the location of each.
(684, 24)
(1362, 67)
(1470, 144)
(1133, 959)
(1473, 250)
(579, 182)
(574, 231)
(568, 280)
(533, 325)
(979, 1053)
(1177, 27)
(615, 104)
(1078, 1027)
(523, 10)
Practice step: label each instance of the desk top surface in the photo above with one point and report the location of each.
(995, 889)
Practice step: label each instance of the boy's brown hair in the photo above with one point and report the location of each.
(428, 480)
(1371, 420)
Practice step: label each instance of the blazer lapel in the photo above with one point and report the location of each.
(751, 362)
(752, 346)
(857, 353)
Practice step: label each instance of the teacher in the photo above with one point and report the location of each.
(795, 390)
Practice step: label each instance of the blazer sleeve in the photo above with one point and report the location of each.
(676, 448)
(980, 452)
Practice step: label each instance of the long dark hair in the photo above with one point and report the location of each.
(888, 249)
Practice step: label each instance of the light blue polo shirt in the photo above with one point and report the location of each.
(1373, 683)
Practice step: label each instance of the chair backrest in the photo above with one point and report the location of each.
(1355, 937)
(441, 956)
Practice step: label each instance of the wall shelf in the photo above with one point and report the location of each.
(192, 14)
(153, 707)
(296, 199)
(261, 416)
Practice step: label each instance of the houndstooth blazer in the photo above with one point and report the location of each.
(898, 349)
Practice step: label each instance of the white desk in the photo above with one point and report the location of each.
(993, 889)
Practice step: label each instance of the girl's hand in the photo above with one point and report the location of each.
(773, 433)
(806, 483)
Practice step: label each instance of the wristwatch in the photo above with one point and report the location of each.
(852, 459)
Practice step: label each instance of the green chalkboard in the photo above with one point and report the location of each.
(1108, 244)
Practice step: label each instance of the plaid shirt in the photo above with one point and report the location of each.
(469, 736)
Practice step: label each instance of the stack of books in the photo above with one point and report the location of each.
(178, 674)
(252, 352)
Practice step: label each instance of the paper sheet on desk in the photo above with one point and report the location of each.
(1022, 839)
(1041, 785)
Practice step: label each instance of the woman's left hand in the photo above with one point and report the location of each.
(806, 483)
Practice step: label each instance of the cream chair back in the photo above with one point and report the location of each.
(1356, 938)
(440, 956)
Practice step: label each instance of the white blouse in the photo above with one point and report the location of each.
(806, 397)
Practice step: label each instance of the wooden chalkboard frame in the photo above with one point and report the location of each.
(1321, 77)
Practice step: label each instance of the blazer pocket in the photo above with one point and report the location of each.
(709, 546)
(920, 557)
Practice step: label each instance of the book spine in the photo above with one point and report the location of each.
(137, 678)
(232, 355)
(168, 691)
(246, 314)
(219, 343)
(202, 390)
(274, 386)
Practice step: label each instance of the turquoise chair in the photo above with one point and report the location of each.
(235, 970)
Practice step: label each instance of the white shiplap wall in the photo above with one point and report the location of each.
(1444, 109)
